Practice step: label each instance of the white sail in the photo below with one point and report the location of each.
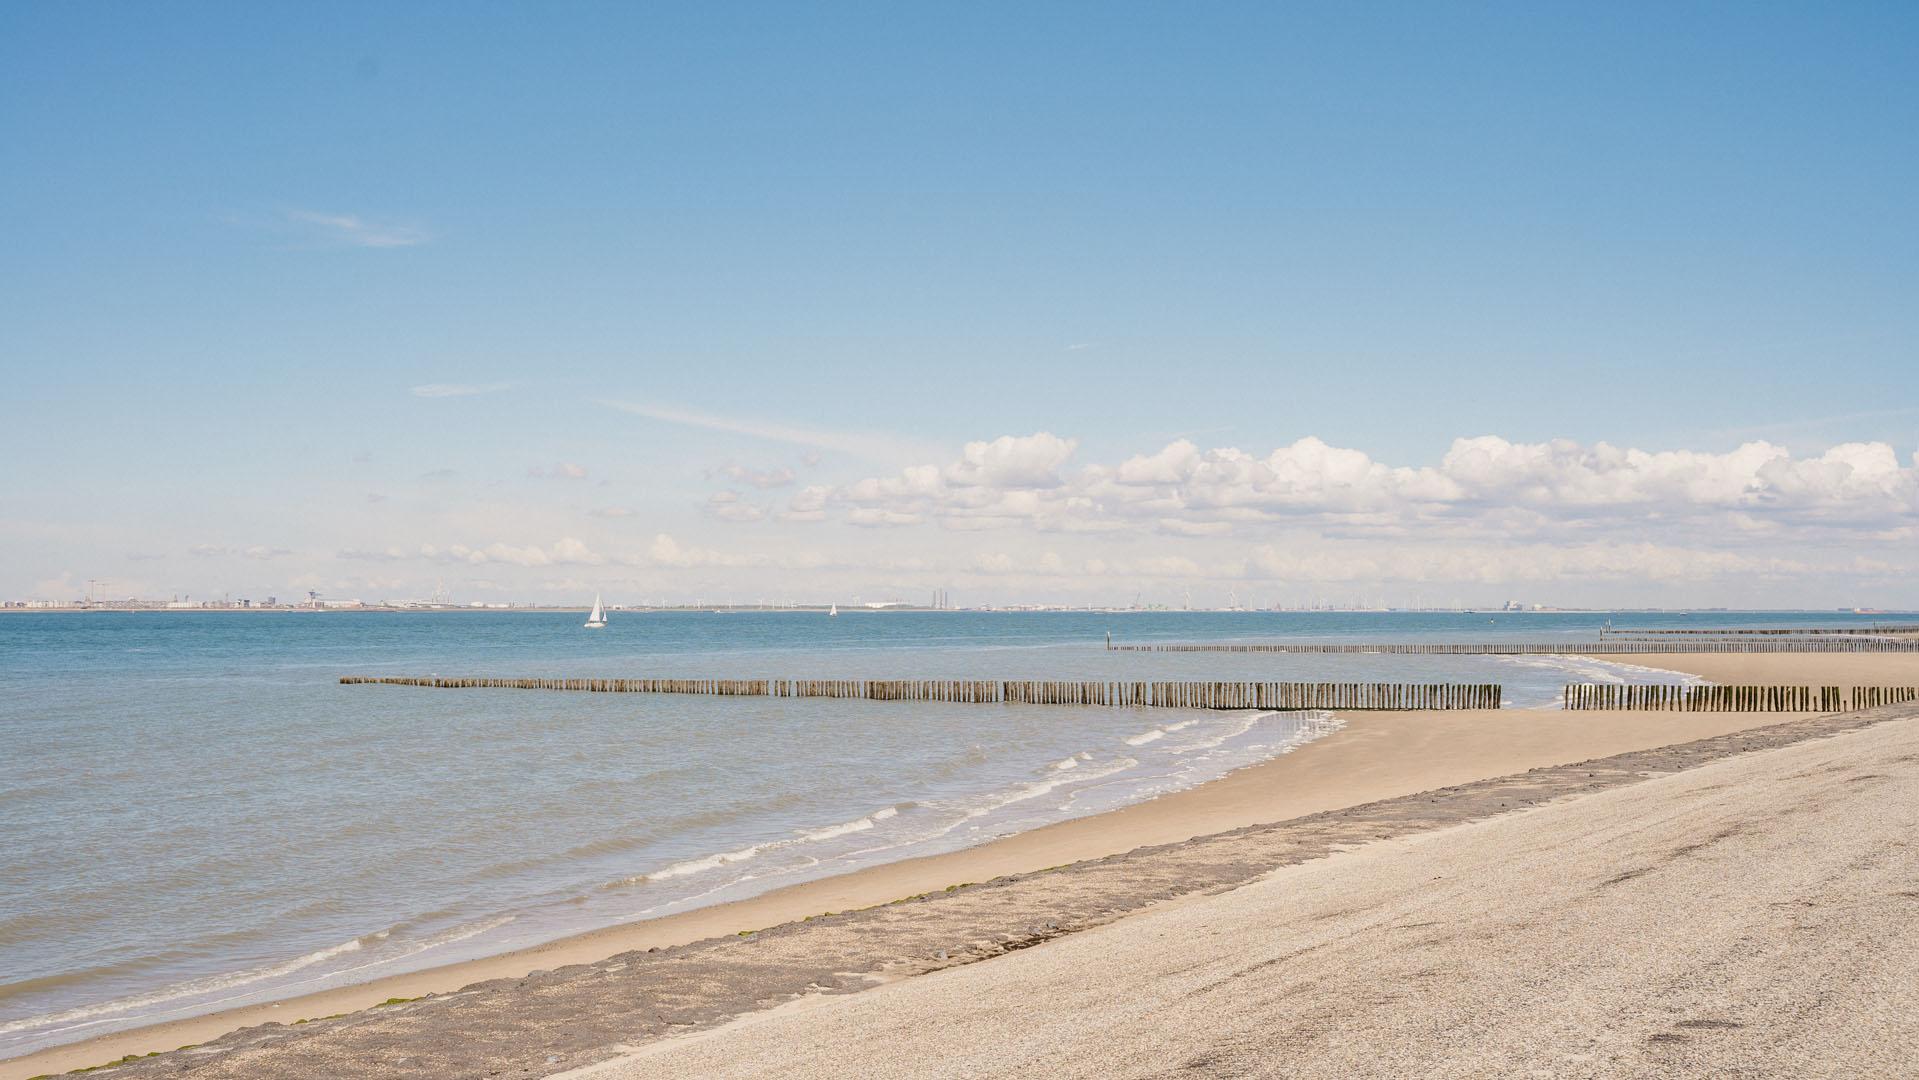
(598, 618)
(835, 610)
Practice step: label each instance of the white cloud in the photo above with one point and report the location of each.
(1012, 461)
(565, 470)
(668, 552)
(390, 554)
(874, 518)
(764, 479)
(728, 506)
(255, 551)
(446, 390)
(564, 552)
(808, 505)
(355, 231)
(1483, 484)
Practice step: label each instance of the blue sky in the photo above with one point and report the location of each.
(847, 241)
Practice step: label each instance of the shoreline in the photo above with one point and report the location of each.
(1710, 915)
(1376, 756)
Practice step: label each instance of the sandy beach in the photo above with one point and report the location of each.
(1752, 916)
(1375, 759)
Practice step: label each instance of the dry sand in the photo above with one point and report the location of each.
(1752, 917)
(1378, 756)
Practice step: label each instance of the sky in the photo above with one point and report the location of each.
(1070, 303)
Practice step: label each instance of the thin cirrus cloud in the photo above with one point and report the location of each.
(453, 390)
(871, 445)
(353, 230)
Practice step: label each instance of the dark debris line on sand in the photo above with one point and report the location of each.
(551, 1021)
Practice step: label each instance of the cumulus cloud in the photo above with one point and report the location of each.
(728, 506)
(254, 551)
(1481, 483)
(564, 552)
(764, 479)
(668, 552)
(1010, 461)
(565, 470)
(390, 554)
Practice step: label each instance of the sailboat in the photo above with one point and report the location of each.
(834, 610)
(598, 618)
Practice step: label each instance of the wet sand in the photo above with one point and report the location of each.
(1378, 756)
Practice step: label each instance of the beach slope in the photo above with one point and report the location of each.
(1753, 916)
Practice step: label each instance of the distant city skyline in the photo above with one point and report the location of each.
(1076, 305)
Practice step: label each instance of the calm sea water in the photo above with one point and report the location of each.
(196, 815)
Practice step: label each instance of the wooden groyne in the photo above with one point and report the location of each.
(1811, 699)
(1764, 631)
(1160, 695)
(1607, 648)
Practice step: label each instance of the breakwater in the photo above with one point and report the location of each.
(1812, 699)
(1611, 648)
(1161, 695)
(1768, 631)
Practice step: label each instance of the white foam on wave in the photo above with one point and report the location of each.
(108, 1012)
(708, 862)
(1247, 724)
(1592, 670)
(1145, 737)
(1068, 763)
(842, 829)
(191, 988)
(725, 858)
(1033, 790)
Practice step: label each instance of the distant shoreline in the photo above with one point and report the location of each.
(821, 609)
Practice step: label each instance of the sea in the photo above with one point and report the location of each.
(195, 814)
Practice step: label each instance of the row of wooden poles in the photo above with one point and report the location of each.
(1164, 695)
(1820, 699)
(1775, 631)
(1611, 648)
